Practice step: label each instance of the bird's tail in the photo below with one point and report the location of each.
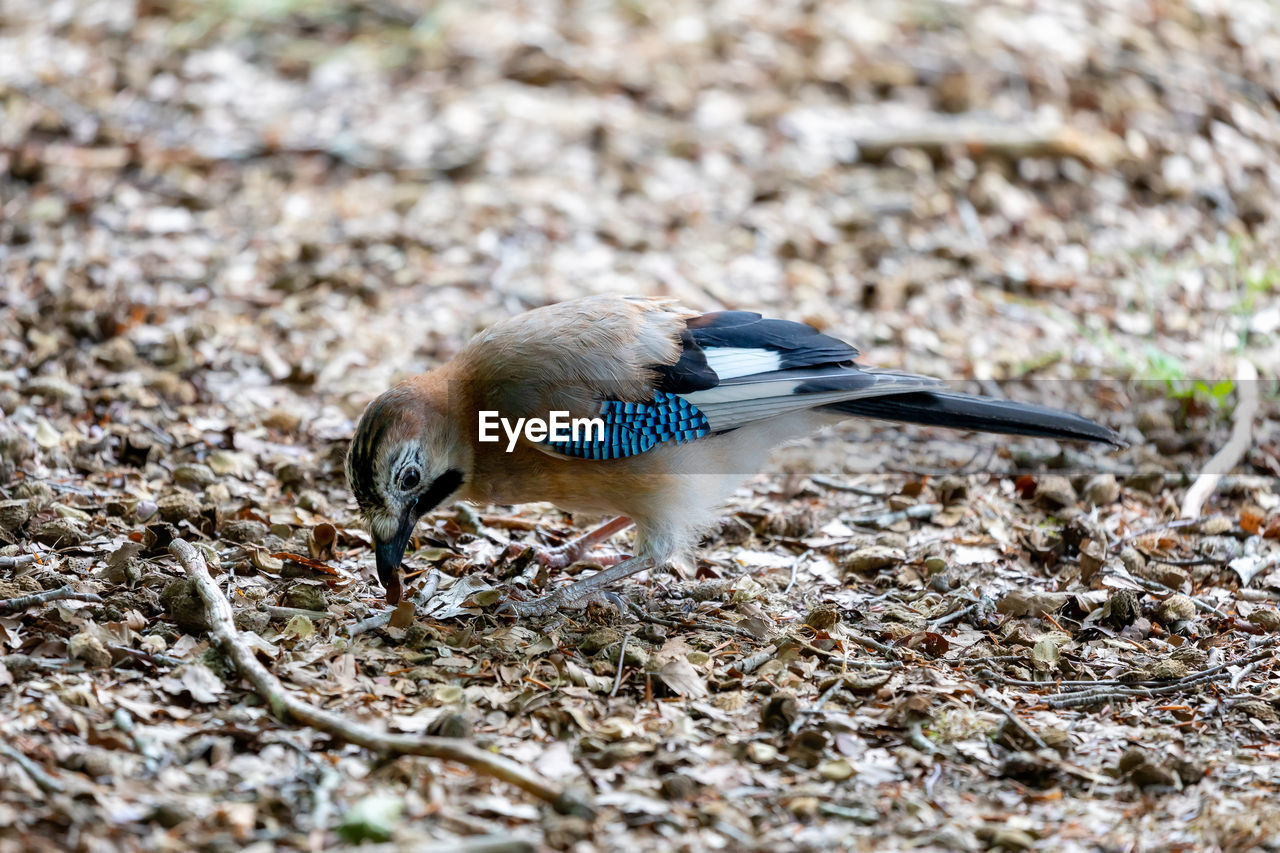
(985, 414)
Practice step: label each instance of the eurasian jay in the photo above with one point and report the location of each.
(688, 406)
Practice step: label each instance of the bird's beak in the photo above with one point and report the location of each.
(389, 555)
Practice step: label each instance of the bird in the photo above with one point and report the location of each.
(677, 408)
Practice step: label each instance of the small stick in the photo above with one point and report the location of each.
(750, 664)
(1026, 730)
(795, 567)
(14, 562)
(483, 844)
(43, 780)
(1244, 672)
(1156, 586)
(822, 700)
(1073, 698)
(285, 705)
(915, 736)
(62, 593)
(953, 616)
(874, 645)
(885, 519)
(153, 659)
(1237, 445)
(622, 654)
(1175, 524)
(837, 486)
(382, 617)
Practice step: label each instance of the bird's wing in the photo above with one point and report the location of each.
(737, 367)
(653, 373)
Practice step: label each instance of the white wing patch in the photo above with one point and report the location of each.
(732, 362)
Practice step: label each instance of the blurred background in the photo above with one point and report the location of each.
(283, 206)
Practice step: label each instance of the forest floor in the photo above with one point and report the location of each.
(225, 227)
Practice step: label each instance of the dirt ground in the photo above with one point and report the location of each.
(226, 226)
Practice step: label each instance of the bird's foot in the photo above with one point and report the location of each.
(559, 600)
(583, 592)
(562, 556)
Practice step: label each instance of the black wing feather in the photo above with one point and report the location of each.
(796, 344)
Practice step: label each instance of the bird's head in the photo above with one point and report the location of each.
(406, 458)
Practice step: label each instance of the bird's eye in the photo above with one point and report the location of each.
(409, 479)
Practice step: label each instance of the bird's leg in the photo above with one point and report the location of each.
(574, 550)
(580, 593)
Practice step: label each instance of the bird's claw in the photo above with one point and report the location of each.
(558, 601)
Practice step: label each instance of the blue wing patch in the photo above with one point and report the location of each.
(632, 428)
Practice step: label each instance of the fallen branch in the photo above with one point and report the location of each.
(1235, 448)
(62, 593)
(14, 562)
(287, 706)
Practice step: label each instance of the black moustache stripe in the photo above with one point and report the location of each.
(441, 487)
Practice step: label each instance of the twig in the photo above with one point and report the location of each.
(14, 562)
(62, 593)
(1190, 561)
(874, 645)
(382, 617)
(1156, 586)
(822, 700)
(837, 486)
(753, 662)
(706, 623)
(43, 780)
(475, 844)
(1236, 447)
(1243, 673)
(915, 736)
(1175, 524)
(884, 519)
(285, 705)
(153, 659)
(953, 616)
(1026, 730)
(795, 568)
(622, 656)
(1071, 699)
(371, 623)
(322, 803)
